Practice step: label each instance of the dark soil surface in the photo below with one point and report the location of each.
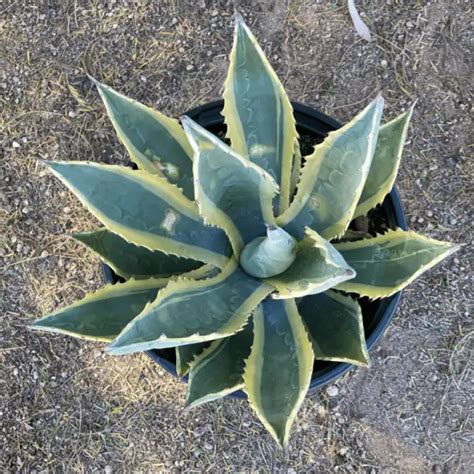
(65, 405)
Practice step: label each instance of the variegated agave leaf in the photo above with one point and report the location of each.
(144, 209)
(318, 266)
(232, 193)
(156, 143)
(186, 354)
(384, 167)
(218, 370)
(102, 315)
(269, 255)
(186, 312)
(333, 177)
(257, 111)
(335, 327)
(129, 260)
(387, 263)
(279, 368)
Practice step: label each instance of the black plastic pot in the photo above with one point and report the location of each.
(313, 126)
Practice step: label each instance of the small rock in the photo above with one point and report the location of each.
(108, 469)
(72, 114)
(384, 63)
(15, 371)
(44, 254)
(208, 446)
(15, 145)
(429, 213)
(343, 451)
(189, 67)
(332, 391)
(453, 220)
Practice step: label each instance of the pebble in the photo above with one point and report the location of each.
(15, 145)
(72, 114)
(332, 391)
(453, 220)
(384, 63)
(429, 213)
(189, 67)
(44, 254)
(343, 451)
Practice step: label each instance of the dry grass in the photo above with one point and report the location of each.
(65, 405)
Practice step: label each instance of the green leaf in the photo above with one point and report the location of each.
(218, 370)
(384, 168)
(186, 354)
(387, 263)
(102, 315)
(144, 210)
(232, 193)
(268, 256)
(186, 312)
(278, 371)
(257, 111)
(295, 172)
(156, 143)
(352, 235)
(333, 177)
(335, 327)
(129, 260)
(318, 266)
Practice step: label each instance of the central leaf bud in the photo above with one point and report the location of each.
(270, 255)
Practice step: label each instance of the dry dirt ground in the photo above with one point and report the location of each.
(66, 406)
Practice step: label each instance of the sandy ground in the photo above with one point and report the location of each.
(65, 406)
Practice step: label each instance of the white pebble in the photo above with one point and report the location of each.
(332, 391)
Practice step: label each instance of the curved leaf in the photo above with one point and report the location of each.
(218, 370)
(186, 312)
(128, 260)
(278, 371)
(318, 266)
(384, 168)
(144, 209)
(186, 354)
(155, 142)
(333, 177)
(352, 235)
(270, 255)
(257, 111)
(335, 327)
(232, 193)
(387, 263)
(102, 315)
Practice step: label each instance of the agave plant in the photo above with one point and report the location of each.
(239, 255)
